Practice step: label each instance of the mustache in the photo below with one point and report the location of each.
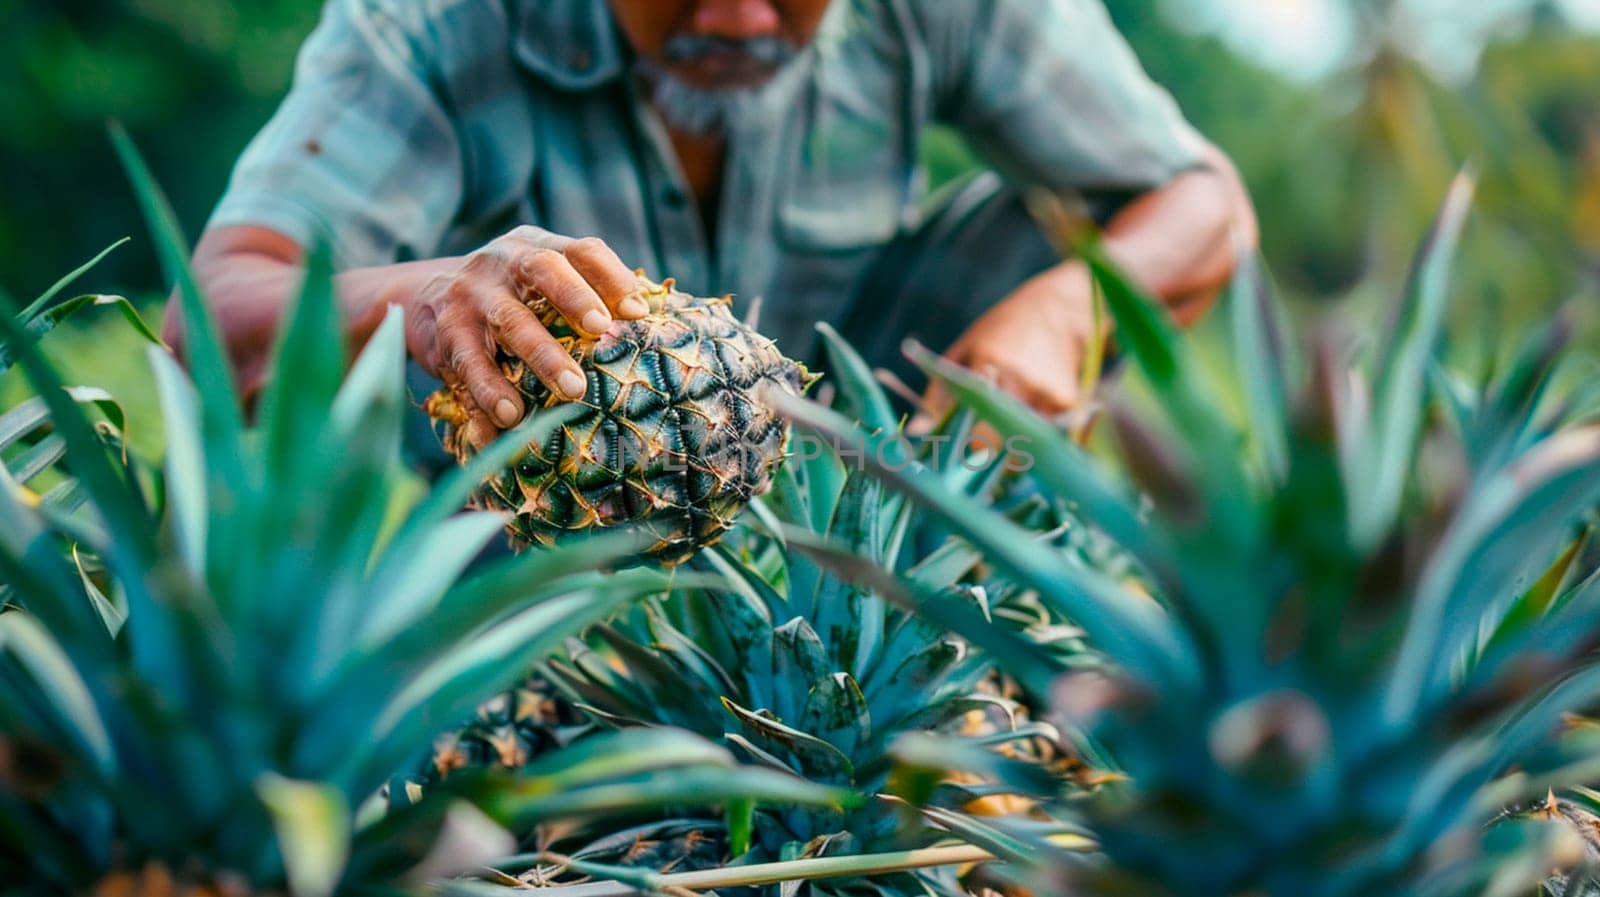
(767, 49)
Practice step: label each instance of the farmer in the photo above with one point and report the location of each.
(458, 154)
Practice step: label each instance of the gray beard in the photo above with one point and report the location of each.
(708, 111)
(702, 111)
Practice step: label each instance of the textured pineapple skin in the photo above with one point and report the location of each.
(509, 731)
(677, 437)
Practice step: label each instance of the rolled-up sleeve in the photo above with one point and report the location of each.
(361, 154)
(1051, 94)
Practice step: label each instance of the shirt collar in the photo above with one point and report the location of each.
(573, 44)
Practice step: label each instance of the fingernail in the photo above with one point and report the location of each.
(506, 411)
(571, 384)
(596, 322)
(633, 307)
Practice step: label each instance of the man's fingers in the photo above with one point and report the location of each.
(935, 405)
(478, 430)
(470, 360)
(615, 282)
(548, 273)
(519, 330)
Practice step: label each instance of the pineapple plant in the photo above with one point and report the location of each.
(297, 624)
(1364, 623)
(674, 433)
(795, 669)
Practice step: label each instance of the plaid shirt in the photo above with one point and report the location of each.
(417, 128)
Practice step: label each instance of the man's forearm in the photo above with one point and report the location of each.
(460, 311)
(250, 277)
(1179, 241)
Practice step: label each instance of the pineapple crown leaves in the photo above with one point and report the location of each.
(1295, 678)
(275, 613)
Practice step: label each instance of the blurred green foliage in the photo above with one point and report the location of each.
(192, 79)
(1347, 170)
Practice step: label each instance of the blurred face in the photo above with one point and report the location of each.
(703, 58)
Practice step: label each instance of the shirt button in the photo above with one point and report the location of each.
(673, 198)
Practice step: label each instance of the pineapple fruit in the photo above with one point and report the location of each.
(508, 731)
(675, 434)
(1348, 658)
(1578, 873)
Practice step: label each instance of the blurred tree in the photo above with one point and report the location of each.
(1347, 169)
(193, 79)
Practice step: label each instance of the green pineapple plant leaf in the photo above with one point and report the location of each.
(1319, 697)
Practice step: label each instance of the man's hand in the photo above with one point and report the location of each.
(1178, 242)
(456, 320)
(457, 309)
(1032, 343)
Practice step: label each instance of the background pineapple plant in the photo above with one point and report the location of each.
(293, 634)
(674, 433)
(791, 667)
(1349, 665)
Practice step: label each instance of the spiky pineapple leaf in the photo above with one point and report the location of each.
(77, 720)
(445, 499)
(859, 395)
(121, 505)
(308, 370)
(1260, 351)
(476, 650)
(1130, 628)
(421, 578)
(32, 568)
(799, 656)
(33, 414)
(113, 609)
(71, 277)
(1504, 422)
(1033, 668)
(1377, 478)
(1500, 538)
(836, 712)
(184, 464)
(816, 759)
(40, 324)
(313, 825)
(685, 788)
(1055, 460)
(1167, 361)
(208, 362)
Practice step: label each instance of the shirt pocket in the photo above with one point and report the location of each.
(846, 188)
